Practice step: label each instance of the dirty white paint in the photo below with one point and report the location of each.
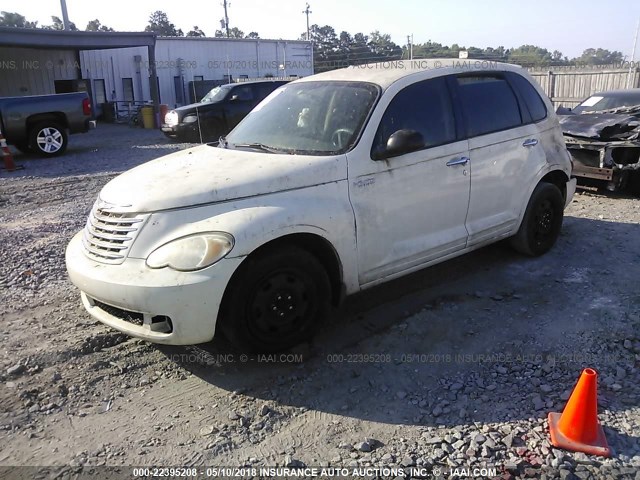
(384, 219)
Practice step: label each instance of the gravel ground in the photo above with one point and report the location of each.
(450, 369)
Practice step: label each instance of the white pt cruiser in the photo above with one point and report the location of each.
(333, 184)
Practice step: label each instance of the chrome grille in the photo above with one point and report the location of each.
(108, 234)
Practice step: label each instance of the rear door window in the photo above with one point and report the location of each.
(488, 103)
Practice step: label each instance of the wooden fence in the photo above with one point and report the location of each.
(568, 86)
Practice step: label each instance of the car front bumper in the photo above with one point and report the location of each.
(181, 130)
(158, 305)
(571, 190)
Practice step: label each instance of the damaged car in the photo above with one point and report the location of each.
(603, 136)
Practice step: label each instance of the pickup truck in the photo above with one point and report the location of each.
(41, 123)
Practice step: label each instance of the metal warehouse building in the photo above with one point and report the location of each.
(119, 66)
(123, 74)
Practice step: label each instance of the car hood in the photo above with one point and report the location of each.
(207, 174)
(183, 110)
(601, 126)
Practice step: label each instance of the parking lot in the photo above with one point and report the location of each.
(456, 366)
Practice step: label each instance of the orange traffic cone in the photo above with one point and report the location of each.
(578, 429)
(9, 164)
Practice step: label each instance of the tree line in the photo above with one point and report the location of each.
(332, 50)
(158, 23)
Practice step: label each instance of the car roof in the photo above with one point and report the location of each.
(626, 92)
(386, 73)
(251, 82)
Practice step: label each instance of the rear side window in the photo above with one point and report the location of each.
(424, 107)
(488, 103)
(532, 100)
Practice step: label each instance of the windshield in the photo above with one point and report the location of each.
(313, 118)
(216, 94)
(597, 103)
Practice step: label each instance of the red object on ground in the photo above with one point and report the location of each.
(577, 428)
(7, 156)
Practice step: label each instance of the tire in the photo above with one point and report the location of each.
(634, 183)
(276, 300)
(48, 139)
(542, 221)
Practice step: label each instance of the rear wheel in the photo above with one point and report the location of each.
(276, 300)
(542, 221)
(48, 139)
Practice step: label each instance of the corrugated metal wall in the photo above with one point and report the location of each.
(26, 71)
(568, 86)
(178, 61)
(182, 60)
(112, 66)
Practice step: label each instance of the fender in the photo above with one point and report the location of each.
(546, 169)
(322, 210)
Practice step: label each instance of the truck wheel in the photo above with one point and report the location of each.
(48, 139)
(276, 300)
(542, 221)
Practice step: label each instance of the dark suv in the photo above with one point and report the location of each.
(218, 112)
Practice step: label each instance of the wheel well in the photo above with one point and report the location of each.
(559, 179)
(318, 247)
(57, 117)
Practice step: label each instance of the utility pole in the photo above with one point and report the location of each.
(410, 46)
(65, 15)
(633, 56)
(307, 12)
(226, 18)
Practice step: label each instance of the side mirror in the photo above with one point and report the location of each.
(234, 98)
(401, 142)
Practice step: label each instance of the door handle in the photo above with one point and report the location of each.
(457, 161)
(531, 142)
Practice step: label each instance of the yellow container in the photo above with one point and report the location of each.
(147, 117)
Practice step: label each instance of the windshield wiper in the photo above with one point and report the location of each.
(257, 146)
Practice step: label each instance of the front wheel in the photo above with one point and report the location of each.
(542, 221)
(276, 300)
(48, 139)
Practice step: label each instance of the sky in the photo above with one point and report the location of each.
(570, 26)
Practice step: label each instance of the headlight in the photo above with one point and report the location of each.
(190, 119)
(171, 118)
(193, 252)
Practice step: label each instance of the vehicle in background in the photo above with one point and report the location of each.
(333, 184)
(42, 123)
(218, 112)
(603, 136)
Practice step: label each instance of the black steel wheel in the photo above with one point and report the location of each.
(542, 221)
(276, 300)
